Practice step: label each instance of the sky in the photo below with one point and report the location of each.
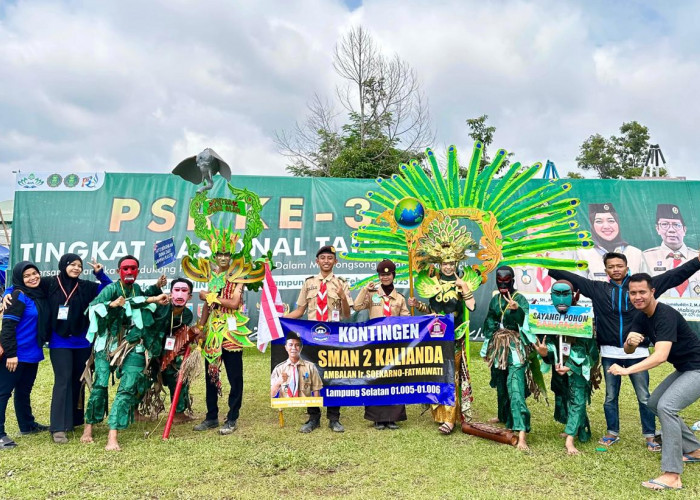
(136, 86)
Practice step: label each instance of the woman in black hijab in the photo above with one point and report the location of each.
(24, 330)
(69, 349)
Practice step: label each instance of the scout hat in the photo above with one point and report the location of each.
(386, 266)
(326, 249)
(668, 211)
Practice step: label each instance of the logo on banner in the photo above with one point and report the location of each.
(437, 328)
(71, 180)
(320, 333)
(54, 180)
(30, 181)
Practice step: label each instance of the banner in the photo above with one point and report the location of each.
(128, 213)
(384, 361)
(546, 320)
(164, 253)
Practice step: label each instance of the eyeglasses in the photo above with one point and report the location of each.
(666, 225)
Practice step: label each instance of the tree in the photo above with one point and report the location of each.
(479, 131)
(387, 117)
(618, 157)
(574, 175)
(483, 133)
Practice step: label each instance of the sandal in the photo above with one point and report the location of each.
(653, 446)
(655, 485)
(608, 440)
(6, 443)
(690, 458)
(446, 428)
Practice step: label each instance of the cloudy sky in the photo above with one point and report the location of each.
(138, 85)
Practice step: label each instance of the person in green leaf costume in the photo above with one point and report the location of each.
(124, 336)
(576, 371)
(446, 243)
(508, 349)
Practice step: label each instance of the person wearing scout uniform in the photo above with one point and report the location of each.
(672, 252)
(383, 300)
(605, 231)
(295, 377)
(324, 297)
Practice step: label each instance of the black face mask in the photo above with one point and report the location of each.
(505, 280)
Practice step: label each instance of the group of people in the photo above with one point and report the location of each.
(95, 329)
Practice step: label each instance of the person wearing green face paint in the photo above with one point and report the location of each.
(575, 362)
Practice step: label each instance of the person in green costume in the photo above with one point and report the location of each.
(446, 244)
(575, 371)
(170, 319)
(506, 349)
(123, 333)
(180, 293)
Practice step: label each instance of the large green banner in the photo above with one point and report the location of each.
(118, 214)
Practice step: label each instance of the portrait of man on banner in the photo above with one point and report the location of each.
(673, 251)
(295, 377)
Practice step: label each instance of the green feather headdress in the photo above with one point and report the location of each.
(503, 208)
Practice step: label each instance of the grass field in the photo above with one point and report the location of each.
(261, 460)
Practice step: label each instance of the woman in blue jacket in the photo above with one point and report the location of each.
(25, 327)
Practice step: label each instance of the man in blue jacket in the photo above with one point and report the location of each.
(614, 314)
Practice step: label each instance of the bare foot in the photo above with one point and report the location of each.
(493, 420)
(112, 442)
(87, 434)
(570, 448)
(522, 441)
(181, 418)
(694, 454)
(563, 435)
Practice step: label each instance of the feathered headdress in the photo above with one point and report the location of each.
(445, 241)
(222, 240)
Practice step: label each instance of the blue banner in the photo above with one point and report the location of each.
(384, 361)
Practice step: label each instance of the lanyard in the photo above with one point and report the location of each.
(124, 291)
(66, 295)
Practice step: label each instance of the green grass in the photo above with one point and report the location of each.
(261, 460)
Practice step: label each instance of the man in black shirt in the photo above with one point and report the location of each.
(676, 343)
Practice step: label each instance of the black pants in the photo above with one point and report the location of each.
(332, 412)
(21, 381)
(68, 366)
(232, 361)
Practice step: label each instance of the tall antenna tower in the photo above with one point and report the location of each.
(655, 160)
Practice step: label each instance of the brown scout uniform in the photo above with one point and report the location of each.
(309, 291)
(309, 378)
(374, 301)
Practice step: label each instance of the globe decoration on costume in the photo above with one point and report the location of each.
(409, 213)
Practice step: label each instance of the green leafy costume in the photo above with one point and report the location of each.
(170, 374)
(509, 375)
(573, 390)
(121, 337)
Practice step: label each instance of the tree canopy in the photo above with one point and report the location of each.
(386, 117)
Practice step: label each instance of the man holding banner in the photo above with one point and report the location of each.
(324, 297)
(383, 301)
